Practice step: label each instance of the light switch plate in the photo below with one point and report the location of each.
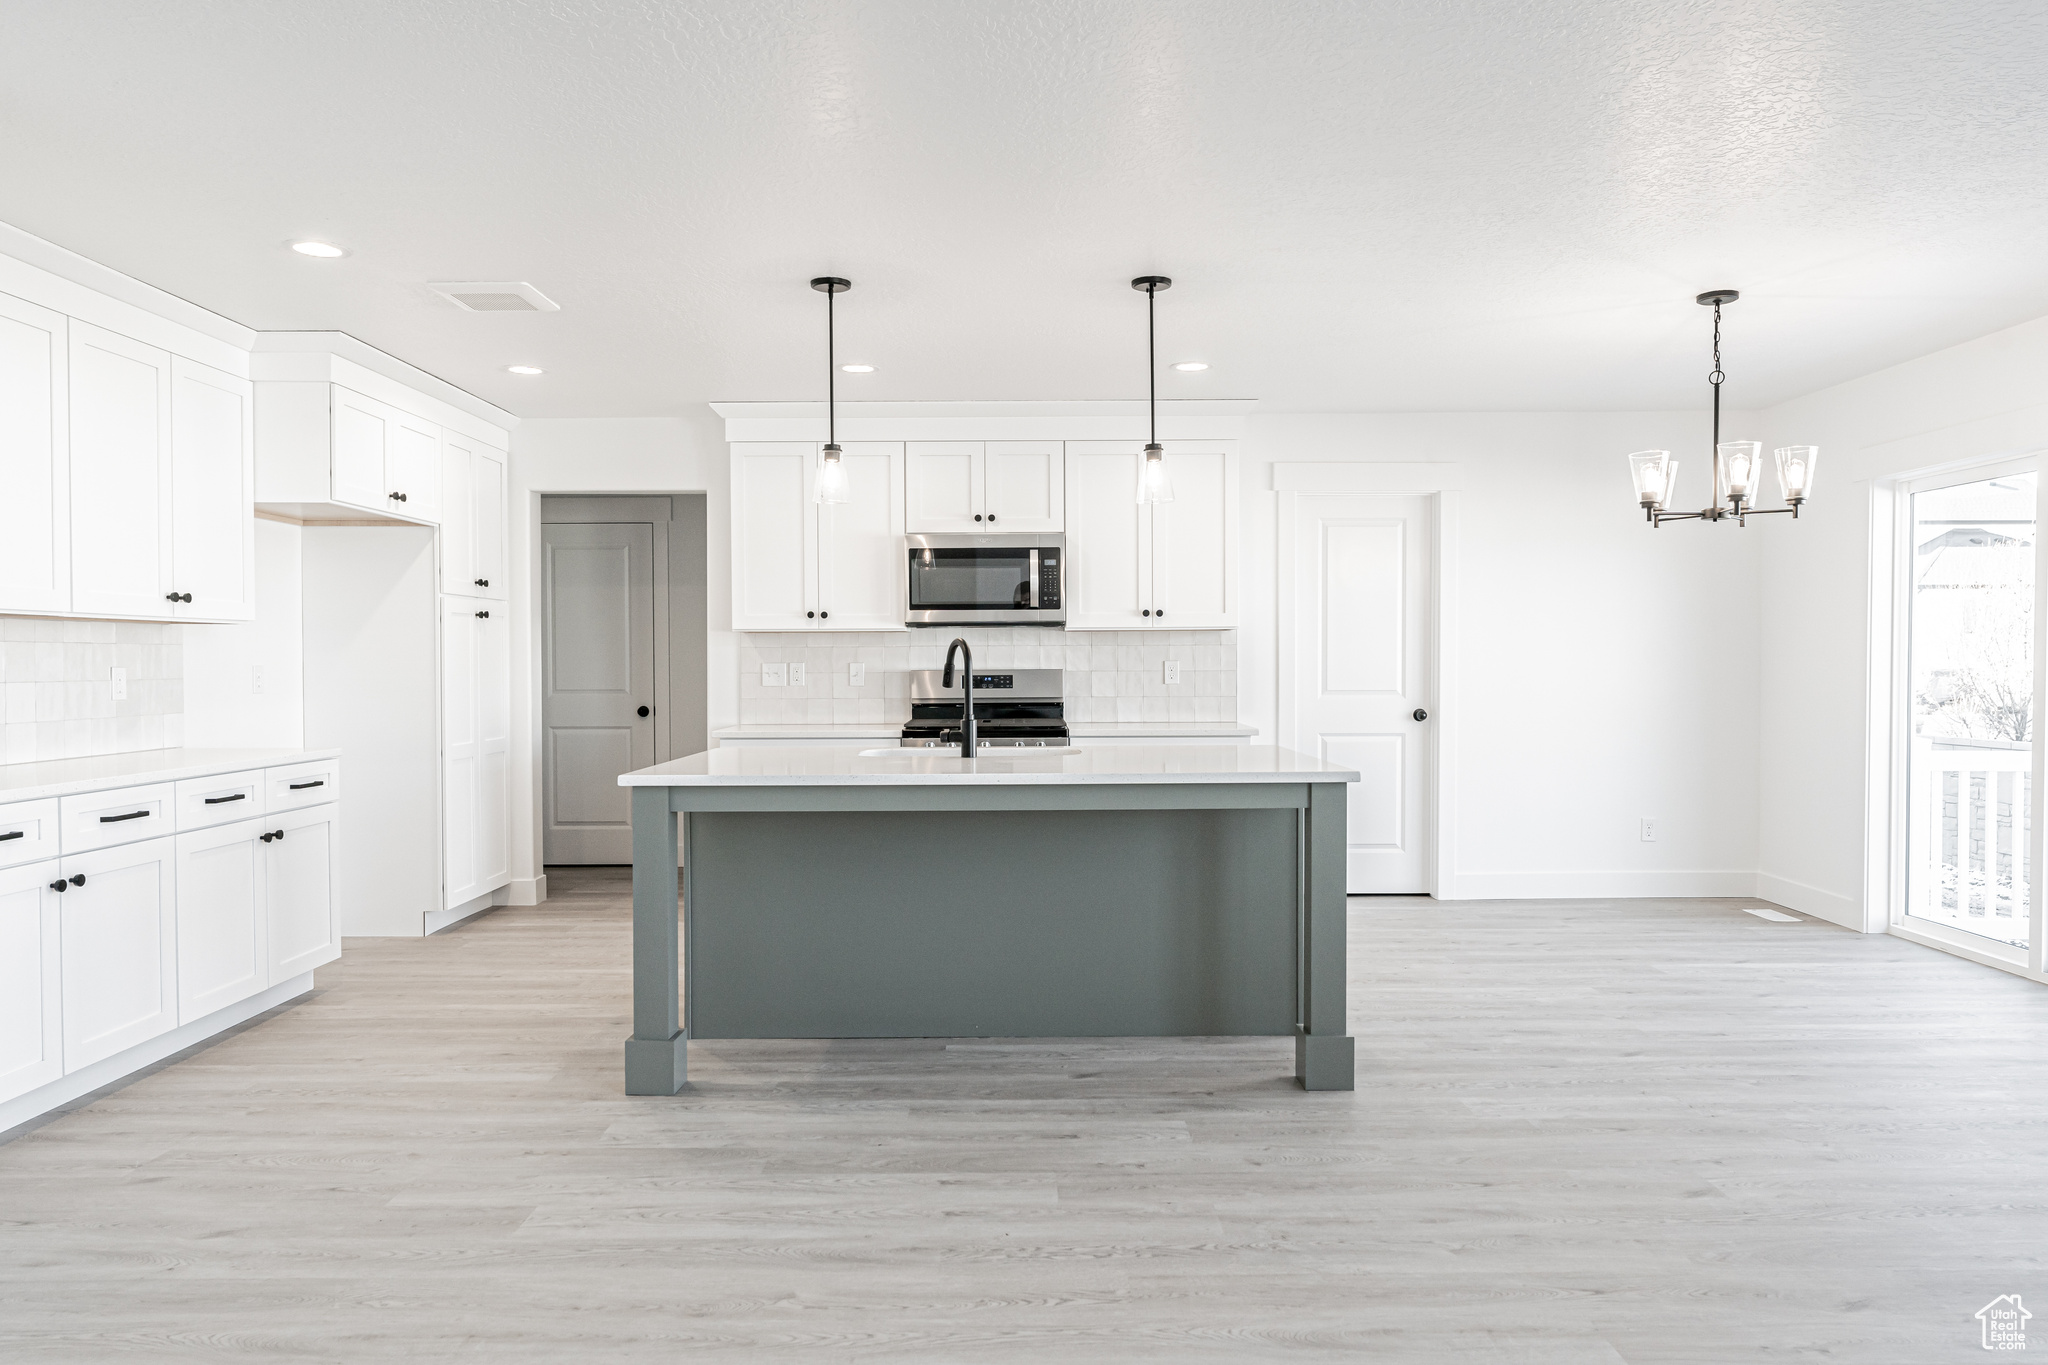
(774, 675)
(120, 678)
(796, 675)
(1172, 672)
(856, 675)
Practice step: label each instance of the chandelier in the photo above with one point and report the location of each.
(1736, 464)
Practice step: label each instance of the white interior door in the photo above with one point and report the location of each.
(213, 491)
(222, 956)
(1355, 642)
(35, 455)
(597, 681)
(31, 1025)
(120, 475)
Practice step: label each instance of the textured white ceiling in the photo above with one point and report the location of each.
(1414, 205)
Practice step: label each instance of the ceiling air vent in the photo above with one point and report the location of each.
(497, 296)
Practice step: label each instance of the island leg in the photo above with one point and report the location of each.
(1322, 1048)
(656, 1060)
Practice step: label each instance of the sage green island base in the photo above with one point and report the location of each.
(1104, 893)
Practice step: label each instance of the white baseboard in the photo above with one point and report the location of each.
(529, 890)
(1505, 886)
(108, 1070)
(434, 921)
(1831, 906)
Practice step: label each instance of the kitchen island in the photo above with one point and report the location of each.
(1160, 890)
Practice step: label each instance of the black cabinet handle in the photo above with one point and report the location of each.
(977, 516)
(265, 836)
(481, 615)
(301, 786)
(483, 582)
(12, 834)
(644, 711)
(399, 496)
(1146, 612)
(116, 819)
(823, 614)
(219, 800)
(1160, 612)
(59, 885)
(991, 518)
(78, 879)
(177, 597)
(810, 615)
(1421, 714)
(274, 834)
(278, 835)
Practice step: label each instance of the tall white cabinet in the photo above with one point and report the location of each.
(476, 724)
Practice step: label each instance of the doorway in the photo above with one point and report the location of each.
(623, 638)
(1358, 672)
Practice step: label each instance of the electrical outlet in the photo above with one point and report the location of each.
(120, 679)
(796, 675)
(1649, 831)
(856, 675)
(1173, 672)
(774, 675)
(256, 680)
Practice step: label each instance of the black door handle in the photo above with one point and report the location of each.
(644, 711)
(78, 879)
(301, 786)
(1421, 714)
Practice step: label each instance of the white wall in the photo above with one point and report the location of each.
(1608, 670)
(1981, 400)
(222, 709)
(607, 455)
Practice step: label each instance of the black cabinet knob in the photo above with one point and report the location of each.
(1421, 714)
(482, 614)
(265, 836)
(977, 516)
(810, 616)
(78, 879)
(1160, 612)
(644, 711)
(1146, 612)
(177, 597)
(483, 582)
(991, 518)
(59, 885)
(823, 614)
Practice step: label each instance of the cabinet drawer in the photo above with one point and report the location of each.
(121, 816)
(302, 784)
(204, 801)
(28, 832)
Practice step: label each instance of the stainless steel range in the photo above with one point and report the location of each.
(1013, 708)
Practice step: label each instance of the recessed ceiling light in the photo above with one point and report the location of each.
(1192, 365)
(524, 369)
(326, 251)
(858, 369)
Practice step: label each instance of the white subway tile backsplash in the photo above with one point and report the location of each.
(57, 691)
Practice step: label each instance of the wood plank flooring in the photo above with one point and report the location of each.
(1630, 1131)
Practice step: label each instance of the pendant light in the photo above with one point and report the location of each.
(1736, 466)
(1154, 484)
(832, 485)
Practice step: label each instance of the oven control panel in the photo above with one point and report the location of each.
(1048, 579)
(994, 680)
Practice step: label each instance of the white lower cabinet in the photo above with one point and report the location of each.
(222, 956)
(119, 940)
(298, 890)
(31, 995)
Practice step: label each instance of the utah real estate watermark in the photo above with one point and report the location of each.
(2005, 1323)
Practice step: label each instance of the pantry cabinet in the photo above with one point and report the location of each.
(472, 518)
(1141, 566)
(35, 457)
(970, 487)
(803, 565)
(476, 718)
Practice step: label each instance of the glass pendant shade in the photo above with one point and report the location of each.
(832, 485)
(1795, 471)
(1739, 461)
(1654, 472)
(1154, 483)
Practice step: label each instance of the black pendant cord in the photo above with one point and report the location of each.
(832, 373)
(1714, 378)
(1152, 362)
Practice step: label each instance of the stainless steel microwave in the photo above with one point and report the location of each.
(1018, 580)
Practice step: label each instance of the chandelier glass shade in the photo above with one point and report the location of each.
(1737, 465)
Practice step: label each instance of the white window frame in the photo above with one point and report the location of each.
(1892, 711)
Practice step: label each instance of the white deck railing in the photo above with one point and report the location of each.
(1972, 805)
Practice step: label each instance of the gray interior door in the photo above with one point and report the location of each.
(597, 680)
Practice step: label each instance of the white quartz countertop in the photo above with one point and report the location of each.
(842, 767)
(69, 776)
(1081, 729)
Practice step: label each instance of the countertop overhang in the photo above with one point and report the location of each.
(1140, 764)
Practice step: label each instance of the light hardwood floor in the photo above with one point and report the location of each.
(1584, 1131)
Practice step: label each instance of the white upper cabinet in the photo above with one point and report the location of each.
(120, 475)
(213, 494)
(982, 486)
(774, 535)
(472, 518)
(860, 543)
(1136, 566)
(385, 460)
(802, 565)
(35, 457)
